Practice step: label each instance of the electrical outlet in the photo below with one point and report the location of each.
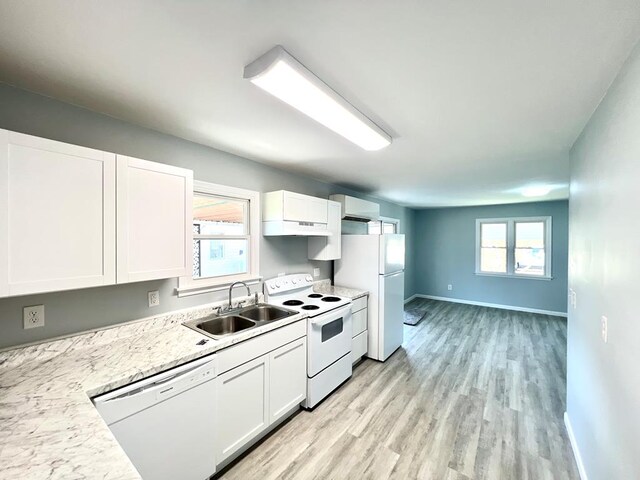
(281, 274)
(154, 298)
(573, 298)
(316, 272)
(33, 316)
(449, 287)
(604, 322)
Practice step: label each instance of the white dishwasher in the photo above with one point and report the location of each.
(166, 423)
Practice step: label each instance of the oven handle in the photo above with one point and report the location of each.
(321, 322)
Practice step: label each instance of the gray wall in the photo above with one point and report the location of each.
(73, 311)
(444, 251)
(603, 380)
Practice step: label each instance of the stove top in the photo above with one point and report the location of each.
(296, 292)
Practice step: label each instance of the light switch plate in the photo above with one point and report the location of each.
(449, 287)
(33, 316)
(154, 298)
(316, 272)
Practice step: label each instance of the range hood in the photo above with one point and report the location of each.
(356, 209)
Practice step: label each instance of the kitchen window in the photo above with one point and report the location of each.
(384, 225)
(514, 247)
(226, 238)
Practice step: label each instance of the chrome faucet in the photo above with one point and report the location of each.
(231, 291)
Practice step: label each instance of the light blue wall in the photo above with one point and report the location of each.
(444, 251)
(603, 379)
(78, 310)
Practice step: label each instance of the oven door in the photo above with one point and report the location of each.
(328, 339)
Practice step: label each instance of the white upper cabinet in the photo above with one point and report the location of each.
(328, 248)
(62, 215)
(289, 213)
(57, 215)
(155, 217)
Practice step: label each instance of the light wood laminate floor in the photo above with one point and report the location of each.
(474, 393)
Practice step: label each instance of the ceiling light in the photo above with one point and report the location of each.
(284, 77)
(539, 191)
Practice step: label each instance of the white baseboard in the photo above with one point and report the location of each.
(574, 447)
(407, 300)
(485, 304)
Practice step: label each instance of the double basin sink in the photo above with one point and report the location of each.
(235, 321)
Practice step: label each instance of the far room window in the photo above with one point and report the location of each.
(384, 225)
(225, 237)
(517, 247)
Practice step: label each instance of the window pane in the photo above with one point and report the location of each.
(219, 257)
(374, 228)
(530, 235)
(530, 261)
(493, 235)
(493, 260)
(388, 227)
(530, 254)
(219, 215)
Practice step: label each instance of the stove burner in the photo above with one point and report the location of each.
(330, 299)
(315, 295)
(310, 307)
(292, 303)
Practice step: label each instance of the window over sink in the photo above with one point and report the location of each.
(226, 238)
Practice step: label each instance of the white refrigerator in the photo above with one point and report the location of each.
(376, 263)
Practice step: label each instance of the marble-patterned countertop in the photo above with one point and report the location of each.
(325, 287)
(49, 427)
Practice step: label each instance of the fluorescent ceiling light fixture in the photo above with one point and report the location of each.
(536, 191)
(278, 73)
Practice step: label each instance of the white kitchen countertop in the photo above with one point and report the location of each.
(49, 427)
(325, 287)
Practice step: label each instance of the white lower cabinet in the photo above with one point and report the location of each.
(288, 378)
(254, 394)
(243, 406)
(359, 342)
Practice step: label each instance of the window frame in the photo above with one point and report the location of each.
(188, 285)
(382, 221)
(511, 246)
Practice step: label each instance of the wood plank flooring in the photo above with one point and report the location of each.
(474, 393)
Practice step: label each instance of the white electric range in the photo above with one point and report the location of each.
(328, 332)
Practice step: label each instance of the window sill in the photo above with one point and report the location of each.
(520, 277)
(194, 289)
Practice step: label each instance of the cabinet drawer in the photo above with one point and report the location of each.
(235, 355)
(358, 346)
(360, 303)
(359, 321)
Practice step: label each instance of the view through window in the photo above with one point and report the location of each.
(220, 236)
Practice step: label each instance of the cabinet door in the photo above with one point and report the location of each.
(304, 208)
(328, 248)
(57, 215)
(155, 220)
(287, 377)
(243, 406)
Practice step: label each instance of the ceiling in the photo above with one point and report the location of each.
(481, 98)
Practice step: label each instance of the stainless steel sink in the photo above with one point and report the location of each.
(265, 313)
(238, 320)
(220, 326)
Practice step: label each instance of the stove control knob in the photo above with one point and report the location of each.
(276, 284)
(308, 278)
(295, 280)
